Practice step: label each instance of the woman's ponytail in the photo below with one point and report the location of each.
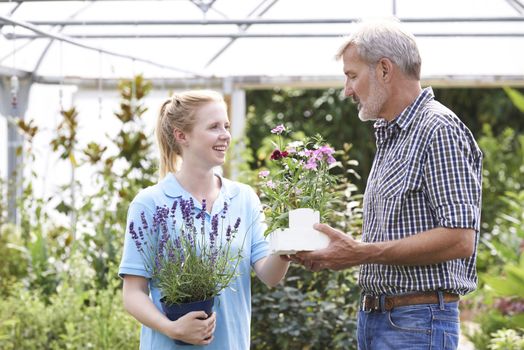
(166, 141)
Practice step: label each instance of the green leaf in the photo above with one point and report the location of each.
(516, 97)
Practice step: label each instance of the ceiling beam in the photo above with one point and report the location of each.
(12, 36)
(65, 38)
(268, 82)
(254, 21)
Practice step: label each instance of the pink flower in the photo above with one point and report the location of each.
(326, 150)
(279, 129)
(270, 184)
(311, 165)
(263, 174)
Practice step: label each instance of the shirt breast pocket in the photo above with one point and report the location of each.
(392, 178)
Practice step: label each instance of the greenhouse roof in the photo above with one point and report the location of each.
(256, 42)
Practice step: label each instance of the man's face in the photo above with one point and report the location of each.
(363, 86)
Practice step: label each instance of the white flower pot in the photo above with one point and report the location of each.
(300, 236)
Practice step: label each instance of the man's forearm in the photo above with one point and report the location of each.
(426, 248)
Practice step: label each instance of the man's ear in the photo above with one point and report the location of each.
(385, 69)
(180, 136)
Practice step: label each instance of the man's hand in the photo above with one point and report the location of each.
(342, 252)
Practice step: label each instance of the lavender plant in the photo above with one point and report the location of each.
(299, 176)
(187, 261)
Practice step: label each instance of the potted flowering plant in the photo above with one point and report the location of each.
(297, 189)
(190, 263)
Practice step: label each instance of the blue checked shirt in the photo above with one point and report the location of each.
(426, 174)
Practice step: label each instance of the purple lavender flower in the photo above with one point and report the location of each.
(202, 213)
(144, 221)
(171, 247)
(224, 211)
(214, 226)
(171, 253)
(141, 233)
(173, 208)
(191, 205)
(237, 224)
(228, 233)
(134, 236)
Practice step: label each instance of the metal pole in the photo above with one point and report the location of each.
(69, 40)
(252, 21)
(256, 36)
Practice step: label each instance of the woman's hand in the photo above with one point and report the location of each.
(193, 328)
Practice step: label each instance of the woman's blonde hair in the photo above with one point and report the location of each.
(178, 112)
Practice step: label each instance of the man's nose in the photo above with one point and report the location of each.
(348, 91)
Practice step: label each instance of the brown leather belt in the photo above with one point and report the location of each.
(372, 302)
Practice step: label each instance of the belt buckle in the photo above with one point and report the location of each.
(372, 300)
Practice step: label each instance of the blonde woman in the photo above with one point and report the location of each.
(193, 137)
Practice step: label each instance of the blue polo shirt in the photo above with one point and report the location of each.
(233, 305)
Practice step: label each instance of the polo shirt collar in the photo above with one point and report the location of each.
(172, 188)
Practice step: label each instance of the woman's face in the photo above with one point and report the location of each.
(209, 139)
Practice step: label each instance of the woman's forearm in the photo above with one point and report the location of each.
(271, 269)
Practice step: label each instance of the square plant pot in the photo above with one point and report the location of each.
(300, 235)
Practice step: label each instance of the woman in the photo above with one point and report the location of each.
(193, 137)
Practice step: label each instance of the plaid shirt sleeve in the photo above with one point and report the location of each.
(452, 174)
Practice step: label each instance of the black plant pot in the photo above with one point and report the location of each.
(175, 311)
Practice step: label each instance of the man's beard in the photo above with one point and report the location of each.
(376, 100)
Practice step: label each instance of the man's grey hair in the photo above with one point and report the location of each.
(385, 38)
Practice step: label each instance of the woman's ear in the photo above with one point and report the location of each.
(180, 136)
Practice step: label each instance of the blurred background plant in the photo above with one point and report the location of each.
(58, 278)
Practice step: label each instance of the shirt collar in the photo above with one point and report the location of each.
(172, 188)
(384, 129)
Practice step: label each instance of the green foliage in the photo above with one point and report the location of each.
(476, 107)
(3, 202)
(503, 284)
(14, 262)
(511, 283)
(507, 339)
(503, 170)
(65, 140)
(312, 311)
(76, 317)
(44, 307)
(118, 179)
(516, 97)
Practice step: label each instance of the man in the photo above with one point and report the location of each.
(421, 204)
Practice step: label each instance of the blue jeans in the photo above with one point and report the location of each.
(413, 327)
